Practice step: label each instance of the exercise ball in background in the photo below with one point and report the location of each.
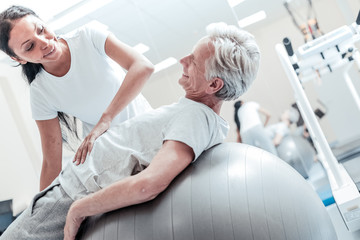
(298, 153)
(233, 191)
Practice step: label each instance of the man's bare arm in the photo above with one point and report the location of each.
(172, 159)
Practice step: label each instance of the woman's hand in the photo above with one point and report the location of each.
(72, 225)
(88, 143)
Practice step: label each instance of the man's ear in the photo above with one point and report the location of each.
(19, 60)
(215, 85)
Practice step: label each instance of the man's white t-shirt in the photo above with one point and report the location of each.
(279, 128)
(129, 147)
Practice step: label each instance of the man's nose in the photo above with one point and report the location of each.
(184, 61)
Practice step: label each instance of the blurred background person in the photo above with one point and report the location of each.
(278, 131)
(250, 127)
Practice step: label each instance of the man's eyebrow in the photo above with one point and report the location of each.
(29, 39)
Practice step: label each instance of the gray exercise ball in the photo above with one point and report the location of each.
(298, 153)
(233, 191)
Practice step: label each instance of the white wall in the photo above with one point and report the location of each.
(19, 142)
(343, 114)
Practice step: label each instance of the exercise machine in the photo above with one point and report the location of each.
(312, 60)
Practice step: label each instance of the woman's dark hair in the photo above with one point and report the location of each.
(237, 105)
(7, 19)
(29, 70)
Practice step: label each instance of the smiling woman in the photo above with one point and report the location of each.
(72, 74)
(31, 42)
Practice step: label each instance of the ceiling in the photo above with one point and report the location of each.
(169, 27)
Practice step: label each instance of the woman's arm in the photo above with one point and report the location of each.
(277, 139)
(138, 69)
(51, 143)
(266, 113)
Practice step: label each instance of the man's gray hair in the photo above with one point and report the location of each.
(235, 61)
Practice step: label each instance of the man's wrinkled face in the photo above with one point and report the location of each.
(193, 78)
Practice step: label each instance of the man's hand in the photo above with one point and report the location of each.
(171, 160)
(72, 225)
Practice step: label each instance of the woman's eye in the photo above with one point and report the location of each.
(41, 29)
(28, 48)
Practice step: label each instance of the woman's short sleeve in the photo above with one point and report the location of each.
(98, 36)
(40, 107)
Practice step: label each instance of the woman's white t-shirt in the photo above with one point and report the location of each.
(249, 116)
(88, 87)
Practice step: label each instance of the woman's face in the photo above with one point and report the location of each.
(32, 42)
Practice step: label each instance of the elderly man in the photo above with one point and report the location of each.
(135, 161)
